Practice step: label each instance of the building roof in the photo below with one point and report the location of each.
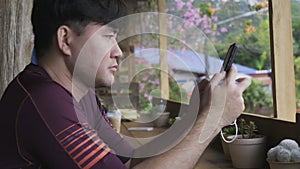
(187, 60)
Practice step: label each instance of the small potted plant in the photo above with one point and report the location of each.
(249, 148)
(227, 132)
(285, 155)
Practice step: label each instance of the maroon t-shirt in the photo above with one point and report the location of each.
(42, 126)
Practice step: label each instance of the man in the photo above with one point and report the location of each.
(52, 119)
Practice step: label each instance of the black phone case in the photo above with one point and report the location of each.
(229, 58)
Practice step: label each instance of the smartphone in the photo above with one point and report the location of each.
(229, 58)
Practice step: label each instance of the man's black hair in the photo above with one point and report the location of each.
(49, 15)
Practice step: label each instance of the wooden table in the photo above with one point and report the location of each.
(211, 159)
(140, 137)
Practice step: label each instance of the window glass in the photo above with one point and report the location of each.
(295, 6)
(245, 22)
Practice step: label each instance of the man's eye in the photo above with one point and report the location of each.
(110, 36)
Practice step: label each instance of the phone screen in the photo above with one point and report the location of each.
(229, 58)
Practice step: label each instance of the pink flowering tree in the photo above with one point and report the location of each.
(193, 14)
(149, 86)
(201, 15)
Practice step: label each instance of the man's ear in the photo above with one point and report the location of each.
(64, 35)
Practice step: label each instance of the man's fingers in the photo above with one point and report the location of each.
(244, 83)
(231, 76)
(217, 78)
(202, 85)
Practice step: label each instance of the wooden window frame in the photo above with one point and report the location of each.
(282, 55)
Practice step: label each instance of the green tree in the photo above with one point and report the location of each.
(258, 100)
(295, 5)
(253, 41)
(297, 75)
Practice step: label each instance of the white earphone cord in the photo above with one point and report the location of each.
(236, 133)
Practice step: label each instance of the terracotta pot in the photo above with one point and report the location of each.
(284, 165)
(248, 153)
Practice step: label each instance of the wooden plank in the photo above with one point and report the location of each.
(282, 63)
(163, 47)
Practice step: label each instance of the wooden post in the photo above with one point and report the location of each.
(16, 38)
(164, 87)
(282, 62)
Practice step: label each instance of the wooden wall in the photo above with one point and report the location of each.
(16, 38)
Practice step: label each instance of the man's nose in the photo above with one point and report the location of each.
(116, 52)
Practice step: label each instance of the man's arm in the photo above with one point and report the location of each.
(221, 101)
(50, 134)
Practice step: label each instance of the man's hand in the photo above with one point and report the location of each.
(234, 97)
(218, 103)
(221, 97)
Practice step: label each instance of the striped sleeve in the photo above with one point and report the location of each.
(83, 145)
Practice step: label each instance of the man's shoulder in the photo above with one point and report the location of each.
(37, 83)
(33, 91)
(48, 97)
(33, 82)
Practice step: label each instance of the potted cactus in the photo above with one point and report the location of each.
(249, 149)
(285, 155)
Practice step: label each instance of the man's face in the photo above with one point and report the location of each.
(97, 52)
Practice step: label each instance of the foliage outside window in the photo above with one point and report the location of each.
(245, 22)
(295, 5)
(297, 75)
(258, 100)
